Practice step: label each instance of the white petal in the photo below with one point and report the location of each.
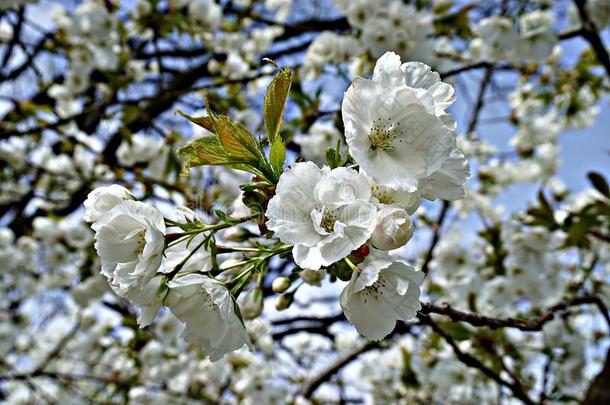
(447, 183)
(363, 316)
(387, 70)
(289, 211)
(419, 75)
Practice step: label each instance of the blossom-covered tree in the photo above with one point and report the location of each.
(323, 201)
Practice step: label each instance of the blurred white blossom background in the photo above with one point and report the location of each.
(319, 201)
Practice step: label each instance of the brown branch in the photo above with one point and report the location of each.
(296, 29)
(598, 392)
(570, 34)
(600, 236)
(478, 107)
(515, 387)
(29, 61)
(590, 33)
(308, 319)
(435, 236)
(317, 330)
(309, 387)
(58, 347)
(477, 66)
(527, 325)
(15, 38)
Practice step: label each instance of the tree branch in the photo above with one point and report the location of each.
(527, 325)
(312, 385)
(590, 33)
(515, 387)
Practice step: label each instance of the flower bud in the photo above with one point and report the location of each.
(358, 255)
(280, 284)
(313, 277)
(394, 229)
(284, 301)
(7, 237)
(252, 304)
(213, 66)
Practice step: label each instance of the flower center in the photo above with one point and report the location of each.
(208, 301)
(383, 196)
(383, 136)
(328, 221)
(375, 290)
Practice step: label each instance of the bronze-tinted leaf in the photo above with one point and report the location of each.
(203, 121)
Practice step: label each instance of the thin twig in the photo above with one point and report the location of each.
(527, 325)
(515, 387)
(590, 33)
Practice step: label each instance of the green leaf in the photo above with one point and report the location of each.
(237, 310)
(442, 7)
(576, 232)
(544, 204)
(599, 182)
(277, 155)
(457, 22)
(254, 185)
(341, 270)
(274, 103)
(255, 200)
(130, 113)
(236, 140)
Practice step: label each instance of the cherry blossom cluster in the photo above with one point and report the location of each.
(403, 146)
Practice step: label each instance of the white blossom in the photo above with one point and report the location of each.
(138, 149)
(321, 136)
(497, 38)
(393, 131)
(380, 292)
(103, 199)
(536, 39)
(129, 240)
(329, 47)
(324, 213)
(208, 311)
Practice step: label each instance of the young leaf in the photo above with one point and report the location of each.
(254, 185)
(331, 158)
(277, 155)
(274, 103)
(237, 141)
(204, 122)
(209, 151)
(203, 151)
(544, 205)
